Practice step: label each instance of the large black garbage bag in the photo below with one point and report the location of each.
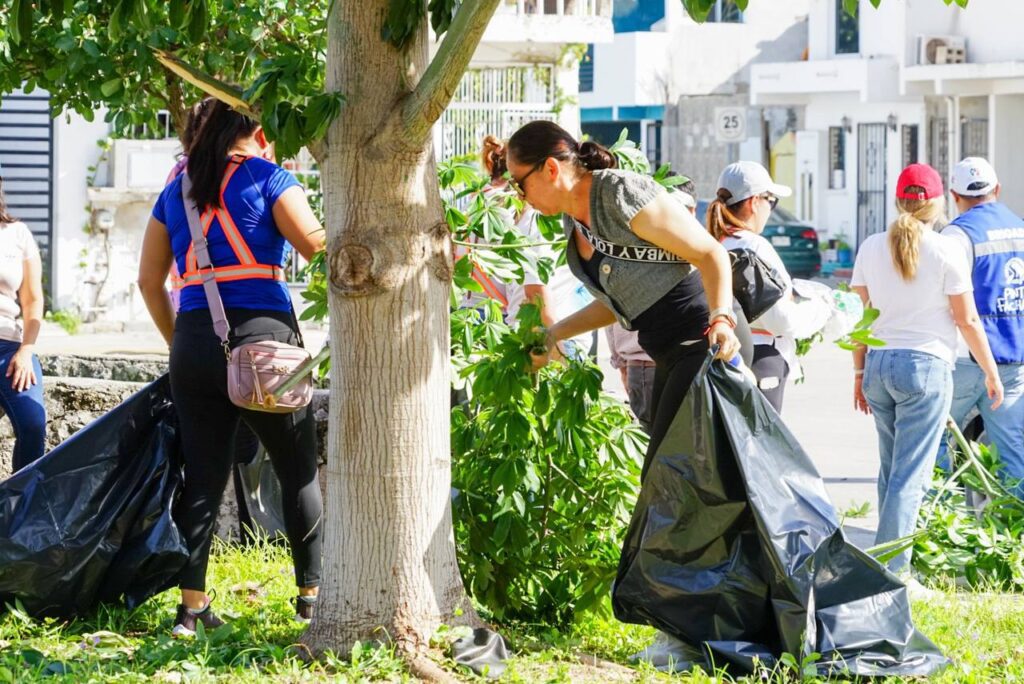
(91, 521)
(736, 549)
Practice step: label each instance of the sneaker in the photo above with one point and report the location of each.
(305, 607)
(667, 654)
(185, 622)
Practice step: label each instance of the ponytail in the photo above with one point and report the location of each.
(723, 222)
(492, 158)
(208, 152)
(540, 140)
(594, 156)
(915, 215)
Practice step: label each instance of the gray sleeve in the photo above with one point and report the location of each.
(624, 195)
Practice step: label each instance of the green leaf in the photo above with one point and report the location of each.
(177, 13)
(110, 87)
(198, 20)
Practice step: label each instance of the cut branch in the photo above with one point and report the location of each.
(434, 92)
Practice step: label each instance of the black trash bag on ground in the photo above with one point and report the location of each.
(91, 521)
(257, 490)
(736, 549)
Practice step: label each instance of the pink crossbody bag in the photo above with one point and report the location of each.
(256, 370)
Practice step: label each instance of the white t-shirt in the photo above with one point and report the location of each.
(914, 314)
(566, 294)
(16, 245)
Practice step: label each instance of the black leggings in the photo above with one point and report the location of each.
(673, 375)
(208, 424)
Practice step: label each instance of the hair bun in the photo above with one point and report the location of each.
(594, 156)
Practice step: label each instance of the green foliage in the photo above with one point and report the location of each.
(68, 320)
(547, 470)
(116, 644)
(99, 53)
(978, 544)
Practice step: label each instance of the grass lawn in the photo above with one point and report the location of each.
(983, 633)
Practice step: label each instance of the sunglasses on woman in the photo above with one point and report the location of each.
(517, 184)
(772, 200)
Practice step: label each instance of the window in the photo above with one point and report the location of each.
(725, 12)
(636, 15)
(836, 158)
(908, 135)
(847, 31)
(587, 71)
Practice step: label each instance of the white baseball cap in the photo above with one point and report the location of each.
(973, 177)
(747, 179)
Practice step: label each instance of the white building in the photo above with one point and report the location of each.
(665, 77)
(910, 81)
(525, 68)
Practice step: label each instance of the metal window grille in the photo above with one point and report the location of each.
(938, 143)
(836, 158)
(909, 144)
(871, 194)
(973, 138)
(496, 101)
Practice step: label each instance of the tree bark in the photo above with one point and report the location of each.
(390, 571)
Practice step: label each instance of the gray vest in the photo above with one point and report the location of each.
(628, 288)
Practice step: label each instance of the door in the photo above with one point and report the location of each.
(871, 193)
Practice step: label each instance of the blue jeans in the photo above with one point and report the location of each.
(1005, 425)
(25, 409)
(909, 393)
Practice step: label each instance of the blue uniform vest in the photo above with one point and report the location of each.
(997, 237)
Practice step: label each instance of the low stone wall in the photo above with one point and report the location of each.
(74, 402)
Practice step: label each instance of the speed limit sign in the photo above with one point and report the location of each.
(730, 124)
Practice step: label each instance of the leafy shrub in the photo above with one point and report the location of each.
(547, 470)
(980, 543)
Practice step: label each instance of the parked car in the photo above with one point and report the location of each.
(794, 240)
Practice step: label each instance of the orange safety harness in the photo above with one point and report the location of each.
(247, 267)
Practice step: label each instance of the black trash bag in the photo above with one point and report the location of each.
(91, 521)
(257, 489)
(736, 549)
(484, 652)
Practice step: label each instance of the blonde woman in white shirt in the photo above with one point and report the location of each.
(21, 315)
(921, 285)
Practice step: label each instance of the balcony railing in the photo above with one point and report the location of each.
(557, 8)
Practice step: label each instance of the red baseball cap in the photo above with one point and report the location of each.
(922, 176)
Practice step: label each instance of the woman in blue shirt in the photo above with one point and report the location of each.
(252, 210)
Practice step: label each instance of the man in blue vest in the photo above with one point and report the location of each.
(992, 237)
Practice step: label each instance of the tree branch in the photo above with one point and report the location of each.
(424, 106)
(176, 102)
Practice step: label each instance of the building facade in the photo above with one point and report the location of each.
(910, 81)
(681, 89)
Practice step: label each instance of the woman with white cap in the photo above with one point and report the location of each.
(744, 202)
(920, 283)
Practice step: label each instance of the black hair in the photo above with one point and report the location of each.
(196, 116)
(541, 140)
(208, 153)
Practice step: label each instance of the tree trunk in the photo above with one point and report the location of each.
(389, 553)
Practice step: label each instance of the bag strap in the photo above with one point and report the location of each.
(651, 254)
(206, 270)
